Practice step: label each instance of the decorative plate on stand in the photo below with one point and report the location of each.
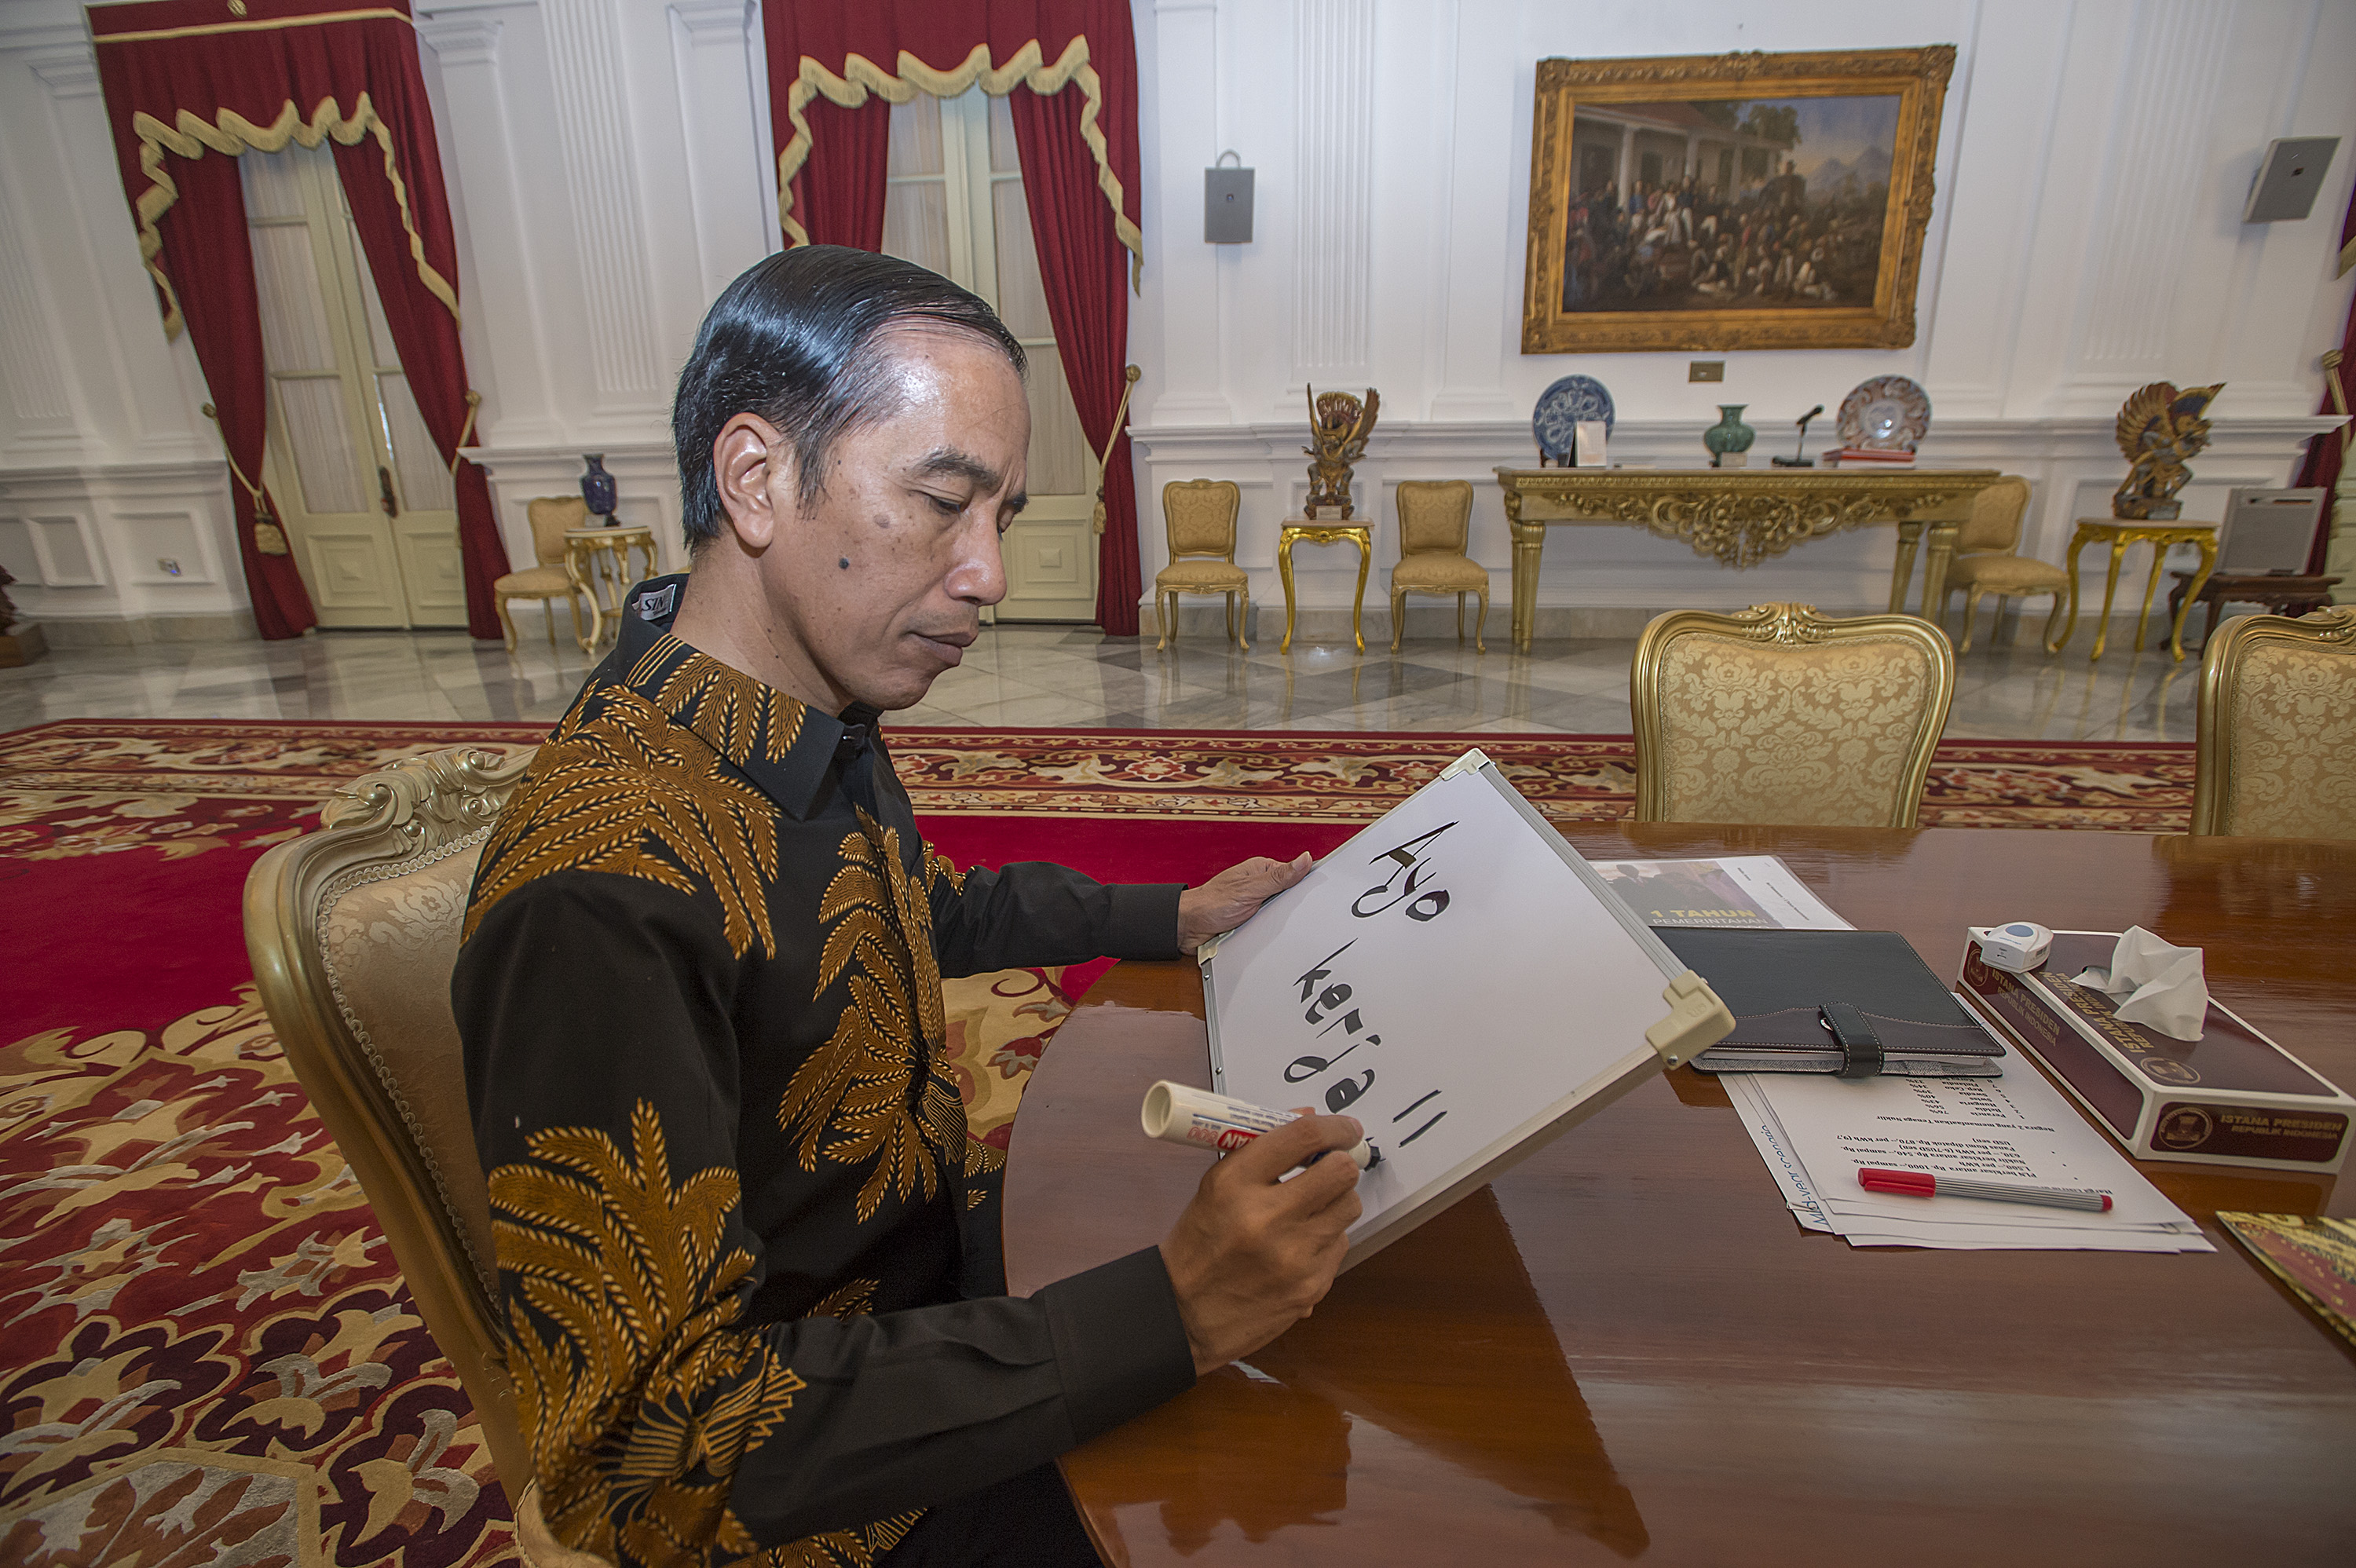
(1555, 420)
(1888, 413)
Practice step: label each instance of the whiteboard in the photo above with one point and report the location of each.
(1458, 979)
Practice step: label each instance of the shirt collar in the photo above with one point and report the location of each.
(785, 748)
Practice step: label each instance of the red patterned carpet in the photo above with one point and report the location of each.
(206, 1353)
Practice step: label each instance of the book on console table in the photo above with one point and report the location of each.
(2231, 1098)
(1861, 455)
(1860, 1003)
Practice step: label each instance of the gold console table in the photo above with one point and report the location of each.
(597, 560)
(1739, 516)
(2119, 533)
(1298, 530)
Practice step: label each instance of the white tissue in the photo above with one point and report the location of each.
(2160, 983)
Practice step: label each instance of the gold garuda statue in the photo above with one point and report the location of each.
(2160, 430)
(1338, 426)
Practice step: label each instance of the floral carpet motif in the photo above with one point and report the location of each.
(207, 1354)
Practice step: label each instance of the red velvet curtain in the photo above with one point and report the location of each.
(2324, 452)
(189, 87)
(224, 319)
(1069, 68)
(1081, 264)
(839, 193)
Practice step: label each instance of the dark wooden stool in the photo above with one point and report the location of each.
(2285, 594)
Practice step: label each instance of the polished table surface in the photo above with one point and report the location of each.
(1625, 1348)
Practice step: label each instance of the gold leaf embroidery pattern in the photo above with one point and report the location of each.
(938, 866)
(641, 1404)
(850, 1101)
(856, 1299)
(737, 714)
(606, 792)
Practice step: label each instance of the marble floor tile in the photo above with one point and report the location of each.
(1036, 676)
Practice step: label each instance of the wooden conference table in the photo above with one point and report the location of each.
(1625, 1348)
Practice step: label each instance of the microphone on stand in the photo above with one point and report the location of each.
(1796, 460)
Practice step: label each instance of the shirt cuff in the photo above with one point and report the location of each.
(1144, 921)
(1120, 1345)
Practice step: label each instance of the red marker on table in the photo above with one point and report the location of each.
(1923, 1184)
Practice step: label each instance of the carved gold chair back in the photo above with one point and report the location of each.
(1988, 559)
(1199, 517)
(1778, 714)
(549, 517)
(353, 932)
(2276, 728)
(1435, 522)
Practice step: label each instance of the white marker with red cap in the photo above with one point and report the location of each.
(1178, 1114)
(1923, 1184)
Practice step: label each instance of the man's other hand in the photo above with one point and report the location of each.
(1253, 1253)
(1233, 897)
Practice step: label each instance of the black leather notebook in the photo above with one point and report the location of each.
(1855, 1003)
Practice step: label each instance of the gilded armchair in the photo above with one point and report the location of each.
(1435, 519)
(1778, 714)
(1988, 559)
(1200, 518)
(353, 932)
(2276, 728)
(551, 516)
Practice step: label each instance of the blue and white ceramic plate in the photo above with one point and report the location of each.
(1888, 413)
(1555, 421)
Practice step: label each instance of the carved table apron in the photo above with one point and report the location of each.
(1738, 517)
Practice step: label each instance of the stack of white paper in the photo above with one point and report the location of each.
(1814, 1131)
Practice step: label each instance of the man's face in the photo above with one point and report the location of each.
(878, 582)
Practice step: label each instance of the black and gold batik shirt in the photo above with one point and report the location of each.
(748, 1254)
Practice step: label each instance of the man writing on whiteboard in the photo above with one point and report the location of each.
(749, 1256)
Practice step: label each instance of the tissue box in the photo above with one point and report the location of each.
(2231, 1098)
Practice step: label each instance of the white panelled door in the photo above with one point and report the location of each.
(368, 503)
(955, 205)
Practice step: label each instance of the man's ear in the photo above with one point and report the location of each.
(748, 451)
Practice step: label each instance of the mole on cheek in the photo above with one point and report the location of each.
(844, 564)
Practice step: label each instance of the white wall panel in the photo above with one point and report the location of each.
(609, 168)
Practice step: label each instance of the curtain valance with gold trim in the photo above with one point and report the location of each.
(188, 77)
(829, 51)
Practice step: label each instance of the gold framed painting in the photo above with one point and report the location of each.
(1730, 201)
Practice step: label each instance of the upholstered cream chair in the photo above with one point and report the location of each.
(353, 932)
(1435, 515)
(2277, 728)
(1988, 559)
(551, 516)
(1781, 715)
(1200, 516)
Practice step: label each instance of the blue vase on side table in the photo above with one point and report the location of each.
(597, 487)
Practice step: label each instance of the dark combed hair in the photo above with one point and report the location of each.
(793, 340)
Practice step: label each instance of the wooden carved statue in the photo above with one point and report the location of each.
(1338, 425)
(2160, 430)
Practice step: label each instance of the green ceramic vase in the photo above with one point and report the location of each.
(1729, 434)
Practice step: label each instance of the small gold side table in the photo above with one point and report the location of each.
(1297, 530)
(2121, 532)
(598, 561)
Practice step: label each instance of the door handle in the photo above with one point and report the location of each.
(384, 489)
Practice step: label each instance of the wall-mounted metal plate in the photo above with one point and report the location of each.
(2288, 177)
(1227, 207)
(1705, 370)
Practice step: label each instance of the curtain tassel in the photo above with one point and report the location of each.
(268, 537)
(474, 403)
(1129, 378)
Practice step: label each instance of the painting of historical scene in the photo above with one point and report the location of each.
(1734, 202)
(1766, 202)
